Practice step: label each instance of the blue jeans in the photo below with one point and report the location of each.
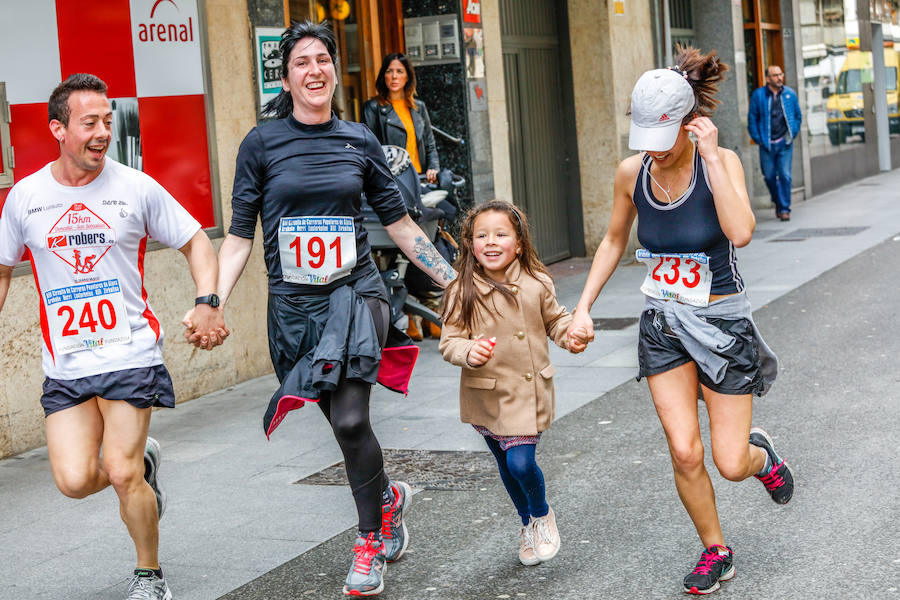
(523, 479)
(776, 169)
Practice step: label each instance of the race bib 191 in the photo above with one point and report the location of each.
(87, 316)
(682, 277)
(316, 250)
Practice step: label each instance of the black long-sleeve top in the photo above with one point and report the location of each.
(288, 169)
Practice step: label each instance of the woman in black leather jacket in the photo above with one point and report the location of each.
(398, 119)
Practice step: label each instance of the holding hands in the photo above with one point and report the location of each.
(205, 327)
(580, 332)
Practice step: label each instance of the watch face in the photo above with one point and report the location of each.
(212, 300)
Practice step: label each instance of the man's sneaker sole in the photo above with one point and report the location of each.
(729, 574)
(151, 475)
(374, 592)
(407, 501)
(764, 434)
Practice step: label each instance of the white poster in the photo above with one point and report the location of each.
(167, 55)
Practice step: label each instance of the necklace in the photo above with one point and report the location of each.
(668, 189)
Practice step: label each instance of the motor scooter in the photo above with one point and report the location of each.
(427, 210)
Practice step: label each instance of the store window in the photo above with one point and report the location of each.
(674, 26)
(834, 73)
(762, 39)
(6, 149)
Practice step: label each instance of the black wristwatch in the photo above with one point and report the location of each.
(212, 300)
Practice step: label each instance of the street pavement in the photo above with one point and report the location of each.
(238, 525)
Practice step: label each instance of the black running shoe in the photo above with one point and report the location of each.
(710, 570)
(779, 481)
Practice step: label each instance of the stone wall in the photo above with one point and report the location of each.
(609, 54)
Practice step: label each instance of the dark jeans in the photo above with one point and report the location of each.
(522, 477)
(776, 169)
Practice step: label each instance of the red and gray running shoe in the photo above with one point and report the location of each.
(779, 481)
(366, 576)
(710, 570)
(393, 521)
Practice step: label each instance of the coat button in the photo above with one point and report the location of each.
(528, 377)
(514, 289)
(520, 335)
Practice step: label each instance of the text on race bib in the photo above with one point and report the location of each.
(682, 277)
(316, 250)
(87, 316)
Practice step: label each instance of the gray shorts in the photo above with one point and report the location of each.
(660, 350)
(142, 388)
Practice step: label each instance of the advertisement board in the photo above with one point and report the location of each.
(150, 55)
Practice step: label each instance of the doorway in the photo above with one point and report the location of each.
(540, 108)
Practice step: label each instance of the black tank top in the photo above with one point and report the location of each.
(688, 224)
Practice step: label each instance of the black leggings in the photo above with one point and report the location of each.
(347, 410)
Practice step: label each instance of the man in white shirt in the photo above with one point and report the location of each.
(86, 219)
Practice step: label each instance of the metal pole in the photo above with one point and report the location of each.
(879, 88)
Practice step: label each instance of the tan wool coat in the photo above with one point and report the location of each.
(512, 394)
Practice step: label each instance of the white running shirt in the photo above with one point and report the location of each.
(87, 247)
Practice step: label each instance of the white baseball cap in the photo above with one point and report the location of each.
(660, 100)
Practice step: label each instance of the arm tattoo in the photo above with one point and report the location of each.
(432, 260)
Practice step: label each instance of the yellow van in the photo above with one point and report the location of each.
(845, 106)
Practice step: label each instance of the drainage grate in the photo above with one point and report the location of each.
(424, 469)
(802, 234)
(614, 323)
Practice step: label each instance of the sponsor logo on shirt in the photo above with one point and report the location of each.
(38, 209)
(80, 238)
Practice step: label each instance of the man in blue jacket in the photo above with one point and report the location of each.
(773, 123)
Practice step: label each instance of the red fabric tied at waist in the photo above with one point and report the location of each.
(394, 373)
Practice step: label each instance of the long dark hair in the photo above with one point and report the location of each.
(282, 105)
(462, 298)
(409, 90)
(704, 72)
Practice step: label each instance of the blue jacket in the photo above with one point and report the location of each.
(758, 121)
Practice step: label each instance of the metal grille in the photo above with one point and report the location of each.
(424, 469)
(680, 16)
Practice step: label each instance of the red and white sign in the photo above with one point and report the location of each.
(148, 50)
(471, 11)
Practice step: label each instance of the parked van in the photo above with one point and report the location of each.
(845, 106)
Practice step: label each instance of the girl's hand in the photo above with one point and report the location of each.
(481, 352)
(577, 341)
(580, 331)
(431, 175)
(707, 137)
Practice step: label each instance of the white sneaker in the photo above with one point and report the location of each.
(546, 536)
(527, 555)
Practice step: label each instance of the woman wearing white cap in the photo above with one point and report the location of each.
(696, 327)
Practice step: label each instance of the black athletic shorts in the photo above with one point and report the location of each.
(142, 388)
(660, 350)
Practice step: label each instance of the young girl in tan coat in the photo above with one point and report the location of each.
(498, 314)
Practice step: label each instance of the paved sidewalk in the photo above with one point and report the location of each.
(234, 512)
